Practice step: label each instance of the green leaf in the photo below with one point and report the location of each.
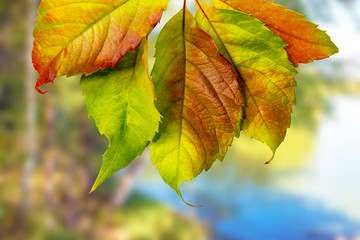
(199, 97)
(264, 71)
(121, 101)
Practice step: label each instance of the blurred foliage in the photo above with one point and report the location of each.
(13, 27)
(70, 213)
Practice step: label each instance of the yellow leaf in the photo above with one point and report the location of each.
(199, 97)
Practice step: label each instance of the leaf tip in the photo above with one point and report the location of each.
(334, 49)
(270, 160)
(37, 88)
(180, 195)
(93, 188)
(99, 180)
(39, 91)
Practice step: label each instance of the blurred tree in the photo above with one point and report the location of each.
(30, 75)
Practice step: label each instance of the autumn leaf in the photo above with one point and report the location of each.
(305, 41)
(82, 36)
(121, 101)
(265, 73)
(198, 96)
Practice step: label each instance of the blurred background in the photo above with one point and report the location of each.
(50, 154)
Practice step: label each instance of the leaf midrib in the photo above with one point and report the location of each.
(183, 92)
(240, 79)
(86, 29)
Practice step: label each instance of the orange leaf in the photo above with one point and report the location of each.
(305, 41)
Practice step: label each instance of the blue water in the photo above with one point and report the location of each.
(246, 210)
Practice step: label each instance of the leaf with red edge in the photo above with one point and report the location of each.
(83, 36)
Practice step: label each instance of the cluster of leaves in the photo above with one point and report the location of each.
(229, 68)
